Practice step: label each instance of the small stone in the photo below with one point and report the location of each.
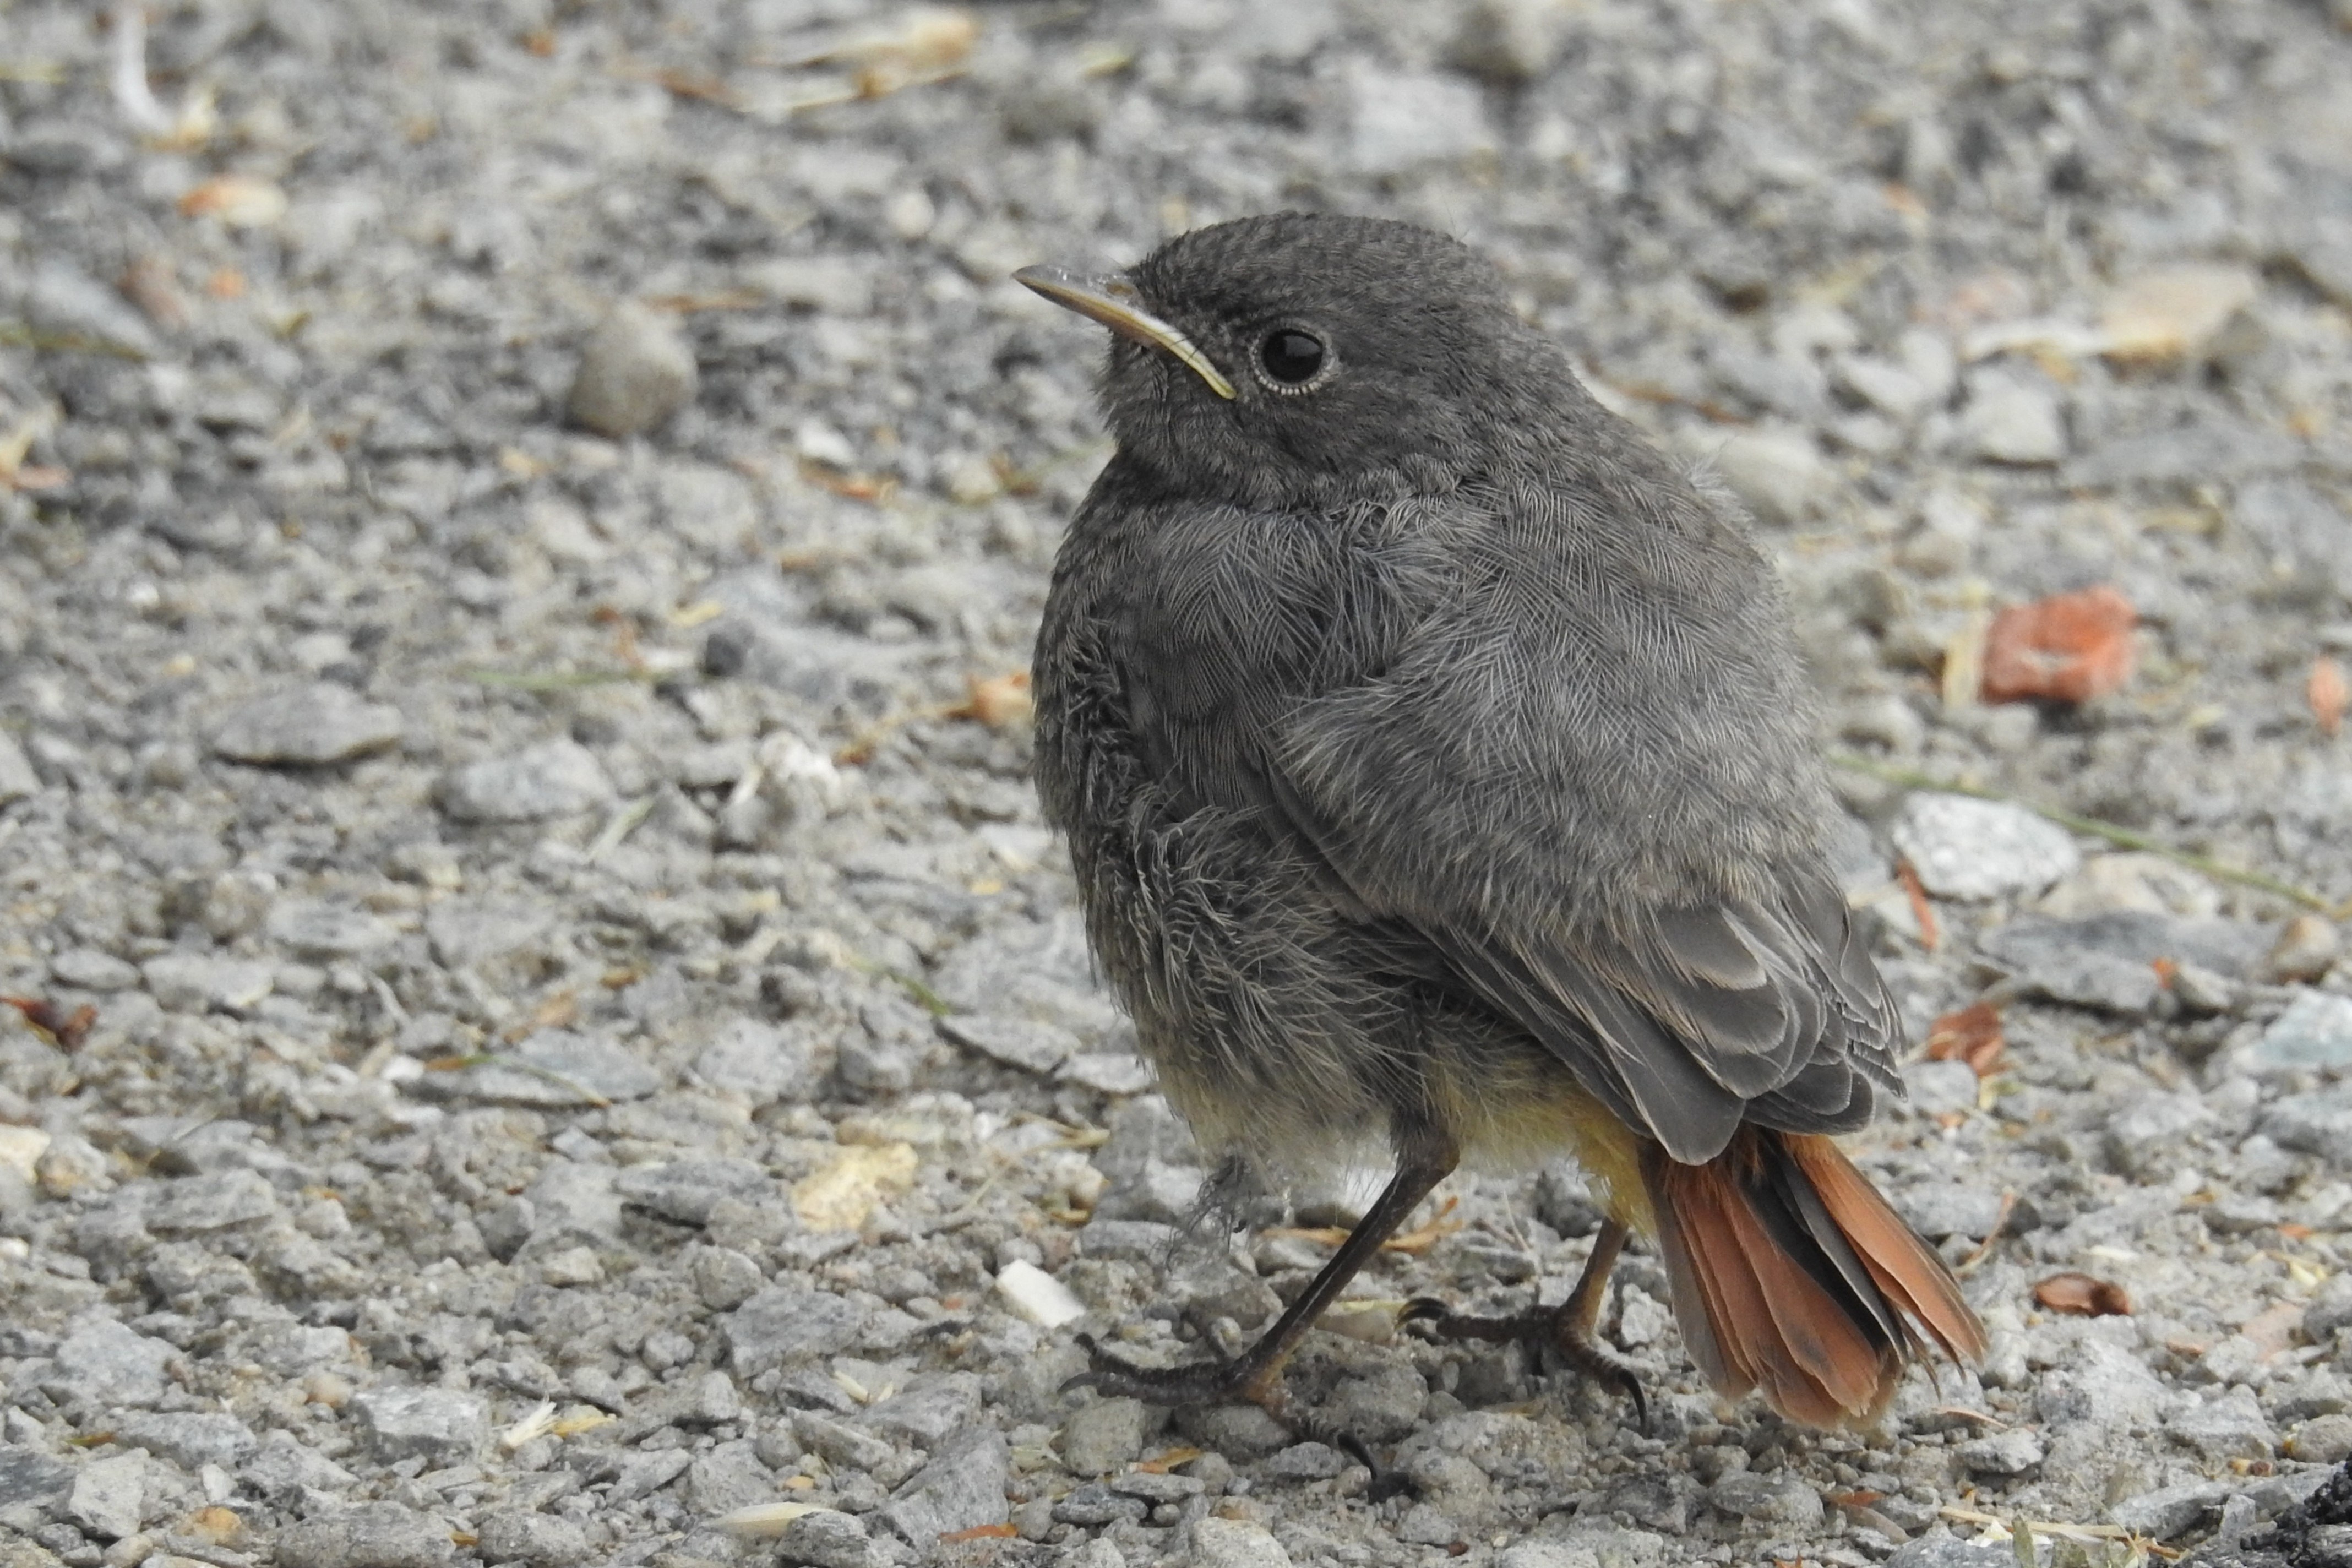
(2174, 312)
(635, 371)
(1963, 848)
(2169, 1511)
(87, 969)
(1779, 1498)
(469, 932)
(555, 1068)
(1308, 1462)
(2329, 1310)
(17, 779)
(1215, 1542)
(284, 1468)
(1104, 1436)
(190, 1441)
(1154, 1488)
(1423, 1525)
(543, 1541)
(2232, 1427)
(2145, 1137)
(105, 1365)
(365, 1535)
(1402, 120)
(1779, 473)
(1942, 1550)
(1038, 1295)
(1023, 1043)
(572, 1265)
(726, 1477)
(1941, 1210)
(2319, 1122)
(1131, 1240)
(1941, 1089)
(193, 983)
(30, 1478)
(962, 1488)
(1512, 41)
(2324, 1440)
(785, 1324)
(556, 779)
(440, 1425)
(645, 1473)
(311, 726)
(759, 1061)
(321, 929)
(839, 1195)
(827, 1539)
(1108, 1072)
(1379, 1406)
(724, 1279)
(687, 1191)
(2307, 950)
(2016, 1452)
(111, 1497)
(2102, 1385)
(2008, 420)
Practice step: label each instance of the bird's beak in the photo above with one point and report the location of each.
(1113, 301)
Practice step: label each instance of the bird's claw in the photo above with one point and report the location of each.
(1194, 1383)
(1541, 1329)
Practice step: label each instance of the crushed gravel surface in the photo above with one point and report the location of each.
(548, 1028)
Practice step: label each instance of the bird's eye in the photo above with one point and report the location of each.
(1290, 356)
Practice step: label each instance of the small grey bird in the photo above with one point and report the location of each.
(1440, 776)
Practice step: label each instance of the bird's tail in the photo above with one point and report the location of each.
(1792, 1276)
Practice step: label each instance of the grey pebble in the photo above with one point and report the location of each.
(323, 929)
(787, 1323)
(543, 1541)
(2316, 1031)
(962, 1488)
(17, 779)
(1104, 1436)
(1232, 1544)
(634, 372)
(190, 1440)
(366, 1535)
(2011, 419)
(311, 726)
(466, 931)
(555, 1068)
(1938, 1089)
(87, 969)
(1943, 1550)
(2171, 1510)
(440, 1425)
(1943, 1209)
(104, 1363)
(1023, 1043)
(643, 1474)
(724, 1279)
(827, 1539)
(111, 1498)
(2016, 1452)
(689, 1190)
(1967, 848)
(555, 779)
(1425, 1525)
(1779, 1500)
(196, 983)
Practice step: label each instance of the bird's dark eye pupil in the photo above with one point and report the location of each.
(1291, 356)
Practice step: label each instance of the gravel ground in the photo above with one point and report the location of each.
(560, 1023)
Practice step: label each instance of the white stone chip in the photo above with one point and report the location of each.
(1967, 848)
(1038, 1296)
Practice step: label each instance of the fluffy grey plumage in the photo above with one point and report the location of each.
(1426, 742)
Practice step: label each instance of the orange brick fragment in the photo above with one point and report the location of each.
(2069, 647)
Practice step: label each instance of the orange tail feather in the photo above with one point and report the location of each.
(1791, 1276)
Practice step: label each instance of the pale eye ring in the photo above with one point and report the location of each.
(1291, 358)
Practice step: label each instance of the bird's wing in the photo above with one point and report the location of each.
(1602, 810)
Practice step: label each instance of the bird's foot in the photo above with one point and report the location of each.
(1229, 1381)
(1219, 1382)
(1557, 1328)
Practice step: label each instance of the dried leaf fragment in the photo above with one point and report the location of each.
(239, 201)
(2175, 311)
(997, 701)
(1973, 1034)
(2069, 647)
(60, 1029)
(2084, 1296)
(2328, 694)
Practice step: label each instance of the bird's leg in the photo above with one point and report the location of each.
(1572, 1328)
(1255, 1374)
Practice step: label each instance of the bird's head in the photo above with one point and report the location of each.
(1285, 359)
